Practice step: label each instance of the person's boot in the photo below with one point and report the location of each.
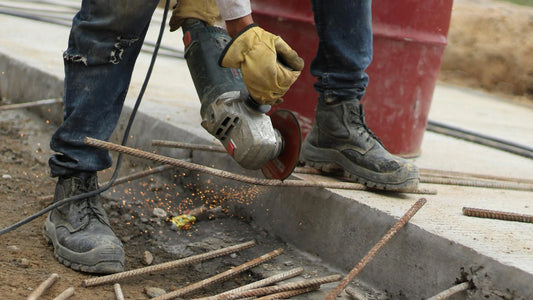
(340, 140)
(80, 230)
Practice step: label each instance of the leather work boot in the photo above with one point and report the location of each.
(340, 141)
(80, 230)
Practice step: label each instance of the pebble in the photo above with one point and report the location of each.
(159, 212)
(148, 258)
(13, 248)
(6, 176)
(233, 255)
(153, 292)
(25, 263)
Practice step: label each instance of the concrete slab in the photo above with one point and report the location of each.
(336, 226)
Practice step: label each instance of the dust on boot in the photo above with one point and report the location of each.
(80, 231)
(340, 141)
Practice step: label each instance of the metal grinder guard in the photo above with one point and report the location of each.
(229, 113)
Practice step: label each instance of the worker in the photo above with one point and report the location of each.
(105, 40)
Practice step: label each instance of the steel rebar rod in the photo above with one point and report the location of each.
(168, 265)
(267, 281)
(188, 146)
(451, 291)
(495, 214)
(229, 175)
(355, 294)
(455, 174)
(220, 277)
(478, 183)
(29, 104)
(126, 178)
(380, 244)
(43, 287)
(276, 288)
(65, 294)
(119, 295)
(289, 294)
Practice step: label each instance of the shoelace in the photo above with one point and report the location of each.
(357, 116)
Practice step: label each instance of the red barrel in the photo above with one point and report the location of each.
(409, 39)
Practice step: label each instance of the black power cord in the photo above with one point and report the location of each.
(124, 140)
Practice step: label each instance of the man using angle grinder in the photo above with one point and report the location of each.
(105, 40)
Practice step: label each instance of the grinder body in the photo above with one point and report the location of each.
(228, 112)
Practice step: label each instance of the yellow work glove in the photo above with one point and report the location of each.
(205, 10)
(269, 66)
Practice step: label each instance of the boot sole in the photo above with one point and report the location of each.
(106, 260)
(315, 157)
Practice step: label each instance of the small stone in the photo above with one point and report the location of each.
(13, 248)
(153, 292)
(233, 255)
(288, 263)
(23, 262)
(144, 220)
(148, 258)
(6, 176)
(159, 212)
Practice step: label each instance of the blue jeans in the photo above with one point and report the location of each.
(106, 38)
(344, 29)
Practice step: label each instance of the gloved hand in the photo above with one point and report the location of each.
(205, 10)
(269, 66)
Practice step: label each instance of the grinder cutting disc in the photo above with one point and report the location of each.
(282, 166)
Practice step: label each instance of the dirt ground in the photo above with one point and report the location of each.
(489, 48)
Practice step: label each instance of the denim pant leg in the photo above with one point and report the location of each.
(105, 40)
(344, 29)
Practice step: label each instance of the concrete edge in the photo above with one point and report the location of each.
(317, 221)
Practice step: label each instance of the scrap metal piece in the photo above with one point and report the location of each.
(451, 291)
(495, 214)
(43, 287)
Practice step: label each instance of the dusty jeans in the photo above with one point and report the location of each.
(105, 40)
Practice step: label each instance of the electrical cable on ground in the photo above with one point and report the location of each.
(124, 140)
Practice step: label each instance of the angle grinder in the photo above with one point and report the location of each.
(255, 138)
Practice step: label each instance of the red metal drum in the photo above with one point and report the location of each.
(409, 39)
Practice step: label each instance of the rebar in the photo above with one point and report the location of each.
(355, 294)
(29, 104)
(380, 244)
(118, 291)
(229, 175)
(220, 277)
(289, 294)
(478, 183)
(267, 281)
(165, 266)
(451, 291)
(276, 288)
(124, 179)
(65, 294)
(495, 214)
(455, 174)
(43, 287)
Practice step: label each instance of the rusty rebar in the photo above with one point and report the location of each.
(289, 294)
(168, 265)
(229, 175)
(456, 174)
(29, 104)
(119, 295)
(451, 291)
(267, 281)
(503, 185)
(220, 277)
(380, 244)
(126, 178)
(355, 294)
(495, 214)
(65, 294)
(276, 288)
(43, 287)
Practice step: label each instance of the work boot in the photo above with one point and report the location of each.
(80, 230)
(340, 141)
